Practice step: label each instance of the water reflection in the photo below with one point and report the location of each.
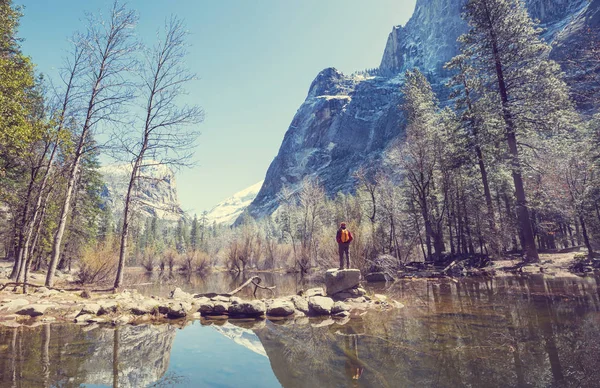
(70, 355)
(503, 332)
(498, 333)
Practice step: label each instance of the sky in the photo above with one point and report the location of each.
(255, 60)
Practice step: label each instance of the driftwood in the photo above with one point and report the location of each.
(254, 280)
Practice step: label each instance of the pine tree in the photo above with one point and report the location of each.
(194, 234)
(507, 53)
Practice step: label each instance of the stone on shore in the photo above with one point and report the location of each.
(320, 305)
(339, 307)
(34, 310)
(252, 308)
(144, 307)
(175, 310)
(13, 305)
(300, 303)
(281, 308)
(90, 308)
(179, 294)
(317, 291)
(220, 307)
(337, 280)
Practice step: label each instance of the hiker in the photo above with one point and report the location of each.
(344, 238)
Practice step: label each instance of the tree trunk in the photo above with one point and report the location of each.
(530, 250)
(586, 238)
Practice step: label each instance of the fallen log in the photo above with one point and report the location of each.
(254, 280)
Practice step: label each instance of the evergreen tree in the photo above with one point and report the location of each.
(194, 234)
(508, 55)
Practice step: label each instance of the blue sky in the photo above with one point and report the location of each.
(255, 60)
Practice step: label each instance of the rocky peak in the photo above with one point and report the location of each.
(156, 193)
(327, 82)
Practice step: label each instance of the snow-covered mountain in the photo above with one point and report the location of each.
(156, 194)
(229, 210)
(243, 337)
(348, 122)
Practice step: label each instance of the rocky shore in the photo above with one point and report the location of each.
(341, 299)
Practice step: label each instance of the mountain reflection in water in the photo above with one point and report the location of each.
(503, 332)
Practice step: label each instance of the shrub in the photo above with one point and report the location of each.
(98, 264)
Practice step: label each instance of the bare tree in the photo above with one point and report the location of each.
(167, 135)
(60, 111)
(108, 46)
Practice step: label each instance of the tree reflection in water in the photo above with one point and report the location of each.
(505, 332)
(502, 332)
(71, 355)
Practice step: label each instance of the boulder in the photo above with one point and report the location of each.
(221, 298)
(147, 306)
(320, 305)
(281, 308)
(337, 280)
(339, 307)
(174, 310)
(220, 308)
(206, 308)
(34, 310)
(250, 309)
(9, 306)
(179, 294)
(83, 318)
(318, 291)
(235, 300)
(350, 293)
(90, 308)
(109, 307)
(300, 303)
(374, 277)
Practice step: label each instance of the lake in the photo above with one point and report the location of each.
(500, 332)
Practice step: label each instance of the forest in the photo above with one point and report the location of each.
(506, 164)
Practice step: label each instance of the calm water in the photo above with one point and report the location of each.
(505, 332)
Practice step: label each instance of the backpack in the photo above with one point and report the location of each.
(345, 235)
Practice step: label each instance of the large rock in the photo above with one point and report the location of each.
(249, 309)
(179, 294)
(34, 310)
(175, 310)
(320, 305)
(317, 291)
(337, 280)
(144, 307)
(281, 308)
(300, 303)
(90, 308)
(13, 305)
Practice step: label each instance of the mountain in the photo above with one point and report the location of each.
(347, 122)
(155, 196)
(229, 210)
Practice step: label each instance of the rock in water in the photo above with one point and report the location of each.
(320, 305)
(280, 308)
(250, 309)
(340, 280)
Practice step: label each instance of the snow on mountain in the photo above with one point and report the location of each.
(243, 337)
(156, 194)
(229, 210)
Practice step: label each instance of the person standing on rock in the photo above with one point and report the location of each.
(344, 238)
